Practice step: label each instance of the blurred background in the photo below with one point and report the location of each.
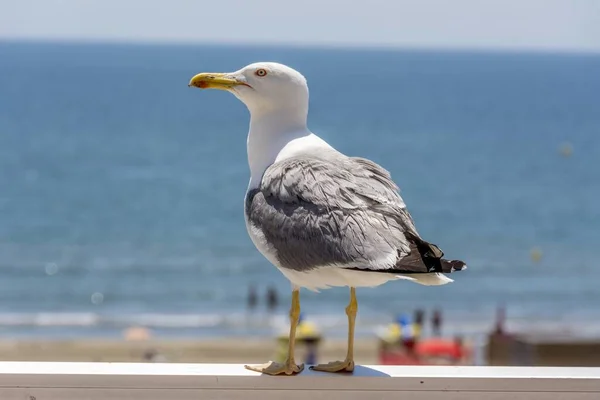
(122, 234)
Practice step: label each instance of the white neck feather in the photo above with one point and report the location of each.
(275, 137)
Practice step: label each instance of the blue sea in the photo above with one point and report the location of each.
(121, 189)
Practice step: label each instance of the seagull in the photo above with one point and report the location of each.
(324, 219)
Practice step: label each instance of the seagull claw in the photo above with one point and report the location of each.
(275, 368)
(335, 366)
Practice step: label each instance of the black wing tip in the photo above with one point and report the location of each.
(453, 266)
(431, 255)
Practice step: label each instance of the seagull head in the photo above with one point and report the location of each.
(264, 87)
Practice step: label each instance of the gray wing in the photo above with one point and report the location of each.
(336, 210)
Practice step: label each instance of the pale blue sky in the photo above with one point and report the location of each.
(572, 25)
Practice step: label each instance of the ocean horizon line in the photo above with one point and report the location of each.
(309, 46)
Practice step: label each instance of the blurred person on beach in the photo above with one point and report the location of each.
(401, 332)
(252, 298)
(272, 299)
(500, 319)
(419, 321)
(408, 335)
(436, 323)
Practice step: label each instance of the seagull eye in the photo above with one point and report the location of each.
(261, 72)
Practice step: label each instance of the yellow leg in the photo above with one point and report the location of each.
(289, 367)
(348, 364)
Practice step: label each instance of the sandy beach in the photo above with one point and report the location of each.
(242, 350)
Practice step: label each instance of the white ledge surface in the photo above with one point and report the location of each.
(106, 381)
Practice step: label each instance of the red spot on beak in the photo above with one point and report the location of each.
(202, 84)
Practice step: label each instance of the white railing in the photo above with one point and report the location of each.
(108, 381)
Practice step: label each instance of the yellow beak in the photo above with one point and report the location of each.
(211, 80)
